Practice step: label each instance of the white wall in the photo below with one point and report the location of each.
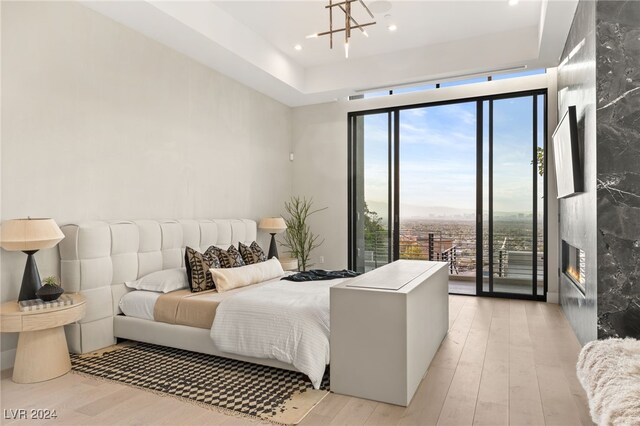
(320, 166)
(100, 122)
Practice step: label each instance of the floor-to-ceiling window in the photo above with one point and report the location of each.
(460, 182)
(373, 244)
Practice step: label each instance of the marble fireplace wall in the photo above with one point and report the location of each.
(578, 220)
(618, 167)
(599, 73)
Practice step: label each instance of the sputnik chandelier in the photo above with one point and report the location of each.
(349, 22)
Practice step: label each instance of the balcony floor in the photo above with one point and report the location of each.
(467, 287)
(462, 287)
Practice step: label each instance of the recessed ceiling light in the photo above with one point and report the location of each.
(513, 2)
(392, 27)
(297, 47)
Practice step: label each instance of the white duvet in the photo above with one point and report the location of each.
(282, 320)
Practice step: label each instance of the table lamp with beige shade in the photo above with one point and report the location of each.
(273, 225)
(29, 235)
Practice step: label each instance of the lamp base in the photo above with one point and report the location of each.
(273, 249)
(30, 279)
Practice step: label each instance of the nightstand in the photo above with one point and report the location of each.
(42, 352)
(289, 264)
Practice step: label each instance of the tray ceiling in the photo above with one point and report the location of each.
(253, 41)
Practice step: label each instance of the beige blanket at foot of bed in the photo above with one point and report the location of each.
(609, 371)
(186, 308)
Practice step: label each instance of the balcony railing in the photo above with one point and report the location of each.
(512, 253)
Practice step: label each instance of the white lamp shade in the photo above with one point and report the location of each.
(272, 224)
(29, 234)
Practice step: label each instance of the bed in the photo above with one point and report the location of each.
(97, 258)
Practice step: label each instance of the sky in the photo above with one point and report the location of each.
(438, 158)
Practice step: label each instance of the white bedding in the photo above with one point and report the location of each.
(139, 304)
(282, 320)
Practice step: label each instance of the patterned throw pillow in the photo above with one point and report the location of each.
(198, 266)
(212, 258)
(230, 258)
(251, 254)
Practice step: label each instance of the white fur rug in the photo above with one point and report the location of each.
(609, 371)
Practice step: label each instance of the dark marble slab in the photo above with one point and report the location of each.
(618, 167)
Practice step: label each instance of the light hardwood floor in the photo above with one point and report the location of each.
(503, 362)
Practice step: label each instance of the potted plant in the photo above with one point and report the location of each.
(50, 289)
(298, 238)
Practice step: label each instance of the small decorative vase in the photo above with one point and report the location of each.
(49, 293)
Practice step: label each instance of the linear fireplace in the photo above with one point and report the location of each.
(574, 265)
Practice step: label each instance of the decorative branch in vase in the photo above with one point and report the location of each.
(298, 239)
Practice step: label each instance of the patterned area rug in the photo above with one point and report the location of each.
(236, 387)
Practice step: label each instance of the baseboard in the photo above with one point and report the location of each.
(553, 298)
(7, 359)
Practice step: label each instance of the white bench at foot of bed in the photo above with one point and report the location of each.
(386, 326)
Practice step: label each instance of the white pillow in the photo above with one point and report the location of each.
(161, 281)
(242, 276)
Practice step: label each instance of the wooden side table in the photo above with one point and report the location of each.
(42, 352)
(289, 264)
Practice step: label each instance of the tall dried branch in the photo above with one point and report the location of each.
(299, 239)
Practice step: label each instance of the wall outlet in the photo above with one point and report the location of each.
(321, 259)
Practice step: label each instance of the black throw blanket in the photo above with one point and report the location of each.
(320, 274)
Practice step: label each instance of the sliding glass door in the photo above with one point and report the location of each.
(437, 189)
(513, 196)
(457, 182)
(371, 220)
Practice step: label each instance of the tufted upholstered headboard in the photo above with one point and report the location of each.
(98, 257)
